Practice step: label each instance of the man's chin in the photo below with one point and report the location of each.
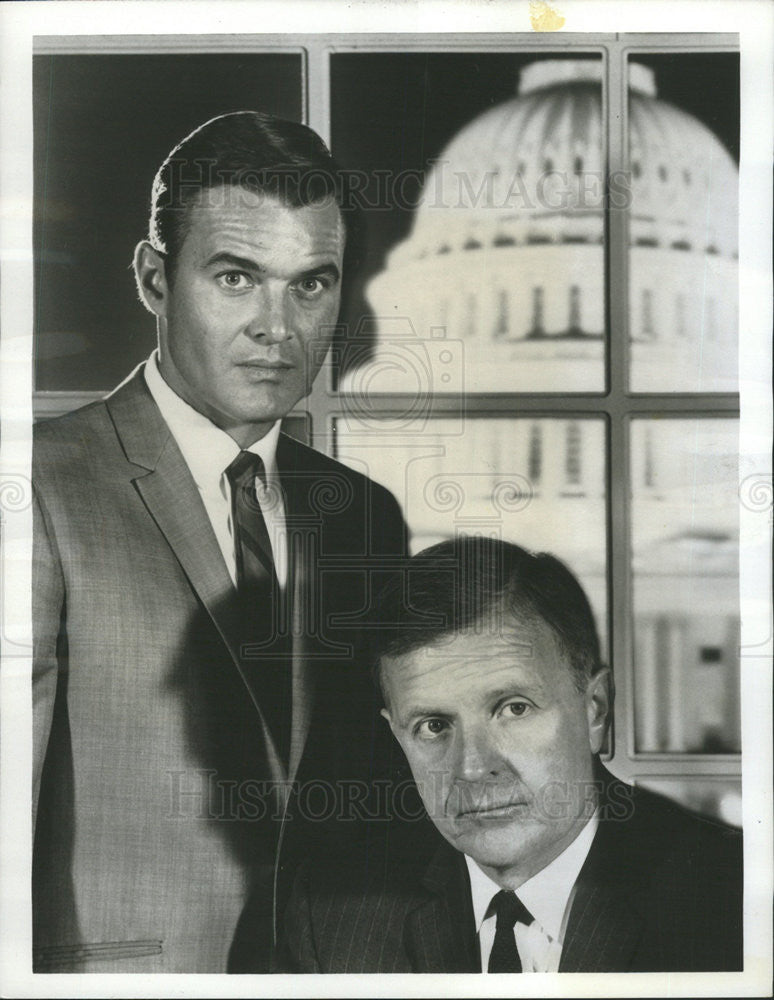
(264, 408)
(494, 842)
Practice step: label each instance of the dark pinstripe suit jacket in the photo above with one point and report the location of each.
(661, 890)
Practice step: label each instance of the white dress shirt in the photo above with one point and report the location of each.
(208, 452)
(548, 897)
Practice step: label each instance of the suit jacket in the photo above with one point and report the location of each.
(661, 890)
(157, 835)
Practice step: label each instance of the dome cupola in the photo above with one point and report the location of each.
(506, 250)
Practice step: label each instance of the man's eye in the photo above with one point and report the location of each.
(515, 709)
(235, 281)
(429, 729)
(311, 288)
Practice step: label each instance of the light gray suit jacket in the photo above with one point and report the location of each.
(150, 748)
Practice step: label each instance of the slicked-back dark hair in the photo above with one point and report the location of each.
(254, 151)
(463, 583)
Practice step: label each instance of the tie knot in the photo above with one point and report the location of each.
(243, 470)
(510, 910)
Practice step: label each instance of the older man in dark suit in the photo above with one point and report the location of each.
(200, 581)
(494, 689)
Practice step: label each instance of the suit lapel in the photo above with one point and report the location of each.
(171, 497)
(302, 548)
(604, 926)
(166, 487)
(602, 932)
(441, 931)
(303, 675)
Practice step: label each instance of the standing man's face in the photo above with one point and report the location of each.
(501, 743)
(246, 314)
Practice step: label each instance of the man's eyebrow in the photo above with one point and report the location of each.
(329, 270)
(417, 712)
(234, 260)
(515, 690)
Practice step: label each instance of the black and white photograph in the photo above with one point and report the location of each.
(386, 499)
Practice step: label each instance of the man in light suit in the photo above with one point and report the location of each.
(201, 582)
(542, 860)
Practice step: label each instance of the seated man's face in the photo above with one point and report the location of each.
(500, 741)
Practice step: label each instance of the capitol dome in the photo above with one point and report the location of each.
(506, 253)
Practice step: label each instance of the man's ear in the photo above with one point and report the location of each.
(386, 715)
(151, 277)
(599, 703)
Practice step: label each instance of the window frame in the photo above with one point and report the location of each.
(617, 404)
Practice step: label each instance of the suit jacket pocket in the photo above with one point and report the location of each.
(62, 957)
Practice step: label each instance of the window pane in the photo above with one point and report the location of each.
(683, 257)
(482, 180)
(102, 126)
(298, 426)
(686, 603)
(720, 798)
(537, 482)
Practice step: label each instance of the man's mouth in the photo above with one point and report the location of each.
(494, 810)
(272, 366)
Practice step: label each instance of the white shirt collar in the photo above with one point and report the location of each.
(207, 450)
(547, 893)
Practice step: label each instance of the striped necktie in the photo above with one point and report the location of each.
(265, 643)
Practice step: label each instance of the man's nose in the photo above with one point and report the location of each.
(477, 755)
(270, 321)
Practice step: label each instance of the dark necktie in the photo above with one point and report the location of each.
(504, 956)
(265, 645)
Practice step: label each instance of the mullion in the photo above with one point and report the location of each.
(618, 405)
(619, 583)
